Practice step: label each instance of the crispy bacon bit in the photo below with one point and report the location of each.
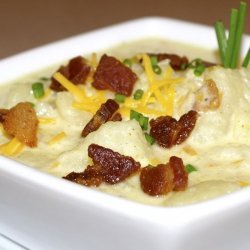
(113, 75)
(167, 131)
(102, 115)
(164, 178)
(21, 121)
(176, 62)
(76, 71)
(207, 97)
(91, 176)
(108, 166)
(3, 113)
(114, 166)
(157, 180)
(117, 117)
(180, 175)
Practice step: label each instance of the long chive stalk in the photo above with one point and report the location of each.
(238, 35)
(246, 60)
(222, 40)
(231, 38)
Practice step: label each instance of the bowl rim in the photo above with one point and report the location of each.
(158, 27)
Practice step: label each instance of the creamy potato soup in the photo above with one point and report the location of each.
(193, 110)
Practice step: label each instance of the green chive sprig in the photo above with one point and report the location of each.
(229, 48)
(246, 60)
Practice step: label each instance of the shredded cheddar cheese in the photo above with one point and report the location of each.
(1, 128)
(78, 93)
(159, 91)
(46, 94)
(11, 148)
(46, 120)
(56, 138)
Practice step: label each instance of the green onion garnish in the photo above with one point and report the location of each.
(38, 90)
(154, 64)
(120, 98)
(127, 62)
(222, 40)
(198, 66)
(199, 69)
(246, 60)
(143, 120)
(231, 38)
(154, 60)
(157, 69)
(190, 168)
(134, 115)
(138, 94)
(238, 34)
(230, 48)
(149, 139)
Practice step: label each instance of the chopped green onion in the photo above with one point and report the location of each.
(198, 66)
(143, 120)
(134, 115)
(127, 62)
(120, 98)
(190, 168)
(38, 90)
(238, 35)
(138, 94)
(154, 60)
(231, 38)
(222, 40)
(193, 64)
(246, 60)
(199, 69)
(149, 139)
(157, 69)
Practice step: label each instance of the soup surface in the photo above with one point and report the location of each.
(215, 153)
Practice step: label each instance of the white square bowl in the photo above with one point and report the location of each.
(41, 211)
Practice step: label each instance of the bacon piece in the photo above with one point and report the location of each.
(157, 180)
(76, 71)
(117, 117)
(114, 166)
(176, 62)
(180, 175)
(113, 75)
(108, 166)
(3, 113)
(167, 131)
(164, 178)
(91, 176)
(102, 115)
(21, 121)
